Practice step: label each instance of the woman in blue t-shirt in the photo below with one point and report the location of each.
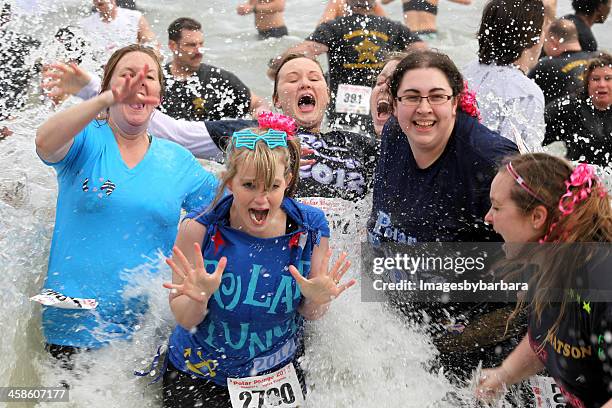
(119, 201)
(245, 274)
(565, 213)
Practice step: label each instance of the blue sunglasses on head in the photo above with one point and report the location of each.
(247, 138)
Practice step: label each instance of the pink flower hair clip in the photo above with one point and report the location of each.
(468, 102)
(582, 182)
(578, 188)
(278, 122)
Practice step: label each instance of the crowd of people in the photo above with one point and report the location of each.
(444, 154)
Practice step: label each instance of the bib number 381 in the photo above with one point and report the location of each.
(353, 99)
(280, 389)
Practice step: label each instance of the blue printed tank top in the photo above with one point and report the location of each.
(252, 325)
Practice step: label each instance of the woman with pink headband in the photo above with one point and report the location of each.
(542, 198)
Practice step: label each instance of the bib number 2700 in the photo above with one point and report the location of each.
(273, 397)
(280, 389)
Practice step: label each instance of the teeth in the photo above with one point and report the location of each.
(262, 213)
(306, 100)
(425, 122)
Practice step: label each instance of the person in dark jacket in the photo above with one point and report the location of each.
(588, 13)
(431, 183)
(584, 122)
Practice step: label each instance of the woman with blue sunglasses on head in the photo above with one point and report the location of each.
(246, 272)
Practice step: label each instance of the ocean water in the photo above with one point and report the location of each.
(359, 355)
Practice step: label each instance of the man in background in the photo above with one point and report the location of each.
(198, 91)
(269, 17)
(356, 45)
(560, 72)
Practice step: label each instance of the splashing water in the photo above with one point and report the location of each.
(360, 354)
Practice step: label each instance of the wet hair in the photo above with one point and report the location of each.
(361, 4)
(563, 30)
(590, 221)
(507, 28)
(182, 23)
(427, 58)
(587, 7)
(265, 161)
(110, 66)
(601, 61)
(276, 64)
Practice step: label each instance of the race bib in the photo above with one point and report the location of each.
(52, 298)
(341, 214)
(546, 392)
(279, 389)
(353, 99)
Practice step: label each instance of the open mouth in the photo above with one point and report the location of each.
(306, 103)
(137, 106)
(258, 216)
(424, 124)
(383, 110)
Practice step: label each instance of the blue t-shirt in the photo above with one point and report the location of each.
(445, 202)
(252, 325)
(110, 218)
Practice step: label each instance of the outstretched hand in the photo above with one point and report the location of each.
(492, 384)
(128, 91)
(60, 80)
(197, 284)
(324, 286)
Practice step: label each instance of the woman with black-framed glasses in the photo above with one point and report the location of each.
(432, 183)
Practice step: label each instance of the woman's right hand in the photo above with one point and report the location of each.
(492, 384)
(197, 284)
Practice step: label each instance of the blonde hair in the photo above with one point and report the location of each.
(265, 161)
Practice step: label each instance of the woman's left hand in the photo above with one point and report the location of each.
(324, 285)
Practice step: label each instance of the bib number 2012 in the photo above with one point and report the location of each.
(284, 395)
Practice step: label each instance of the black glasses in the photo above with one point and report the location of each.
(414, 100)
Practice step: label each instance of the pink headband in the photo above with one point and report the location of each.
(521, 182)
(279, 122)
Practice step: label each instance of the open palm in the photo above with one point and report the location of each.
(324, 284)
(197, 284)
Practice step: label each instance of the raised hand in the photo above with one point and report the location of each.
(197, 284)
(129, 90)
(5, 132)
(61, 79)
(324, 284)
(245, 8)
